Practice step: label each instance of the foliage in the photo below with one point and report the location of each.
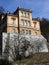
(37, 58)
(2, 10)
(5, 62)
(44, 23)
(19, 46)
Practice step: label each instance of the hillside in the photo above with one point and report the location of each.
(36, 58)
(44, 23)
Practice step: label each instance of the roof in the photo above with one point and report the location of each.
(10, 14)
(19, 8)
(37, 19)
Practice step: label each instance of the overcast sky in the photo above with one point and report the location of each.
(40, 8)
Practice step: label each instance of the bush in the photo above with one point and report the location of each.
(5, 62)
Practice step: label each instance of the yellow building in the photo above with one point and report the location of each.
(21, 21)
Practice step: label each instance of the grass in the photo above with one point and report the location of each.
(35, 58)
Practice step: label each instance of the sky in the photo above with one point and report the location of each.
(40, 8)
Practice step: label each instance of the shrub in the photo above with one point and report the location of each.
(5, 62)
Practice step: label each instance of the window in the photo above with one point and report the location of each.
(28, 23)
(25, 22)
(28, 15)
(22, 13)
(25, 14)
(12, 22)
(13, 19)
(29, 32)
(26, 31)
(23, 31)
(35, 33)
(22, 22)
(34, 24)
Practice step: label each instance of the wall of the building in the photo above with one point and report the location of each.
(9, 24)
(37, 28)
(25, 18)
(12, 24)
(33, 30)
(37, 24)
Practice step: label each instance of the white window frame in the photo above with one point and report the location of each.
(22, 22)
(28, 23)
(25, 22)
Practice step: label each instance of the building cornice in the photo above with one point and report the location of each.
(36, 19)
(12, 15)
(22, 9)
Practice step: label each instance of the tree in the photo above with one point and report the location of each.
(44, 23)
(17, 46)
(2, 10)
(21, 46)
(5, 62)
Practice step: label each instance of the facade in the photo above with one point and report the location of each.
(22, 22)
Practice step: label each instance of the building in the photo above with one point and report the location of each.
(21, 21)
